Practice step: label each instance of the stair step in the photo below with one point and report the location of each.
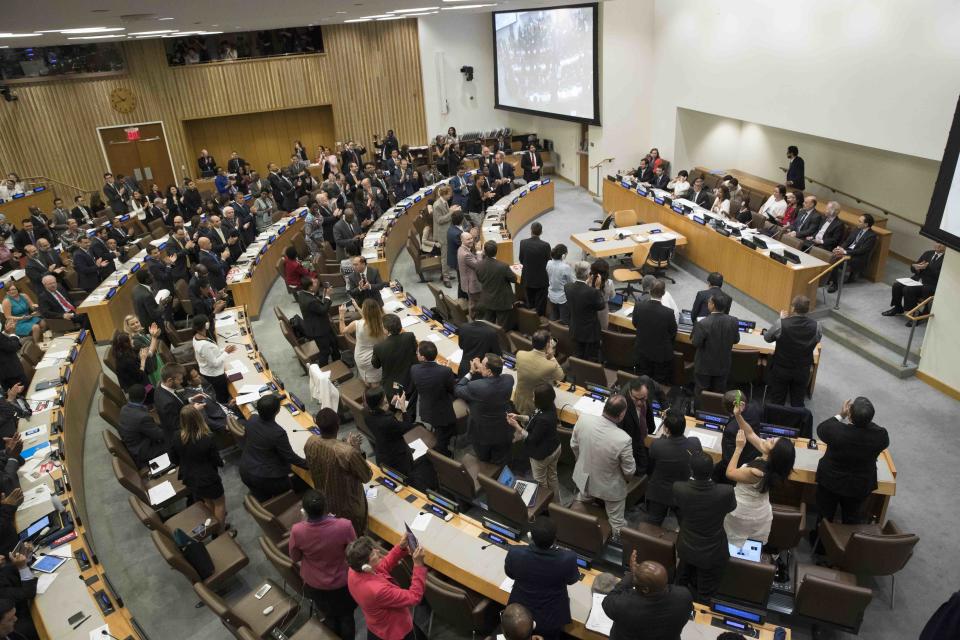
(864, 344)
(867, 330)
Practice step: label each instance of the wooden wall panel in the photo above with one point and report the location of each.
(370, 77)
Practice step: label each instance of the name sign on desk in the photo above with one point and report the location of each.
(545, 181)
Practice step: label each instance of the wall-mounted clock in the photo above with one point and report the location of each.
(123, 100)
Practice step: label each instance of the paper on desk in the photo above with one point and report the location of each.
(589, 406)
(421, 522)
(456, 356)
(419, 448)
(44, 580)
(46, 394)
(56, 354)
(161, 493)
(237, 366)
(409, 321)
(625, 311)
(35, 496)
(372, 493)
(432, 337)
(41, 433)
(160, 463)
(707, 440)
(598, 620)
(909, 282)
(507, 585)
(247, 398)
(99, 633)
(392, 306)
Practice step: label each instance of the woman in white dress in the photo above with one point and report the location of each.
(752, 518)
(369, 332)
(721, 203)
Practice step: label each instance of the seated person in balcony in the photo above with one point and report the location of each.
(926, 271)
(660, 178)
(721, 201)
(830, 232)
(807, 222)
(775, 206)
(643, 173)
(858, 247)
(680, 185)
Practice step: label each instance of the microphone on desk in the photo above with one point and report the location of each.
(486, 546)
(104, 632)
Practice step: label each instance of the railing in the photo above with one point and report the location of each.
(857, 199)
(62, 189)
(842, 263)
(914, 320)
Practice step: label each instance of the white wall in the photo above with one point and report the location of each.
(565, 137)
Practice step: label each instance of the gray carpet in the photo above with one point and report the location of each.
(918, 418)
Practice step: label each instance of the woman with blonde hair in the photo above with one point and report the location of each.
(369, 332)
(195, 452)
(142, 339)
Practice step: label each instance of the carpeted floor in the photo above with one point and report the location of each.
(919, 420)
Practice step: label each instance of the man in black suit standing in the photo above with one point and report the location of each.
(714, 337)
(140, 433)
(102, 252)
(926, 271)
(858, 247)
(534, 256)
(216, 270)
(660, 178)
(797, 337)
(807, 222)
(475, 340)
(585, 300)
(115, 194)
(487, 391)
(501, 175)
(699, 309)
(669, 462)
(168, 400)
(387, 146)
(645, 605)
(352, 154)
(207, 164)
(432, 385)
(698, 195)
(144, 303)
(656, 327)
(192, 200)
(86, 265)
(847, 472)
(365, 282)
(638, 419)
(314, 310)
(11, 369)
(284, 191)
(830, 232)
(795, 172)
(497, 279)
(530, 163)
(36, 267)
(236, 164)
(702, 543)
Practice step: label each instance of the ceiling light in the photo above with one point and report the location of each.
(359, 20)
(92, 30)
(151, 33)
(109, 35)
(391, 18)
(425, 13)
(414, 10)
(19, 35)
(164, 18)
(468, 6)
(376, 17)
(341, 11)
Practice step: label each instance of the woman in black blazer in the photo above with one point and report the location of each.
(542, 443)
(174, 204)
(478, 194)
(388, 444)
(133, 366)
(198, 457)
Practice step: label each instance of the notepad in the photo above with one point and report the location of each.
(456, 356)
(432, 337)
(707, 440)
(46, 394)
(419, 448)
(421, 522)
(247, 398)
(372, 493)
(507, 584)
(44, 580)
(589, 406)
(909, 282)
(99, 632)
(409, 321)
(161, 493)
(159, 464)
(598, 620)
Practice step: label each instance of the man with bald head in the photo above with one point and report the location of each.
(54, 303)
(517, 623)
(214, 263)
(645, 606)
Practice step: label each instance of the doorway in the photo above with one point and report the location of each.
(138, 150)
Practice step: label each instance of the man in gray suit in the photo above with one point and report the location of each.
(604, 460)
(347, 235)
(496, 281)
(365, 282)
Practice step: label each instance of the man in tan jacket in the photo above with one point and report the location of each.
(469, 263)
(534, 367)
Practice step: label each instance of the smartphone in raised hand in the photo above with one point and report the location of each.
(412, 542)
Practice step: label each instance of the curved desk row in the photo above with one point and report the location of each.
(66, 596)
(512, 212)
(18, 209)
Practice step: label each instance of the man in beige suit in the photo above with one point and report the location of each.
(604, 460)
(534, 367)
(469, 264)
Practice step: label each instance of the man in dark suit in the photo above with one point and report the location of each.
(926, 271)
(432, 385)
(830, 232)
(714, 337)
(28, 234)
(267, 454)
(501, 175)
(584, 300)
(795, 172)
(475, 339)
(105, 257)
(246, 223)
(643, 172)
(387, 146)
(644, 605)
(487, 391)
(115, 194)
(160, 265)
(702, 543)
(11, 369)
(54, 303)
(660, 178)
(192, 200)
(314, 311)
(699, 309)
(168, 400)
(402, 180)
(182, 248)
(352, 154)
(86, 265)
(497, 279)
(698, 195)
(140, 433)
(35, 267)
(348, 235)
(847, 472)
(284, 191)
(144, 304)
(638, 420)
(669, 462)
(80, 212)
(541, 573)
(216, 270)
(858, 247)
(394, 355)
(365, 282)
(236, 164)
(534, 256)
(656, 327)
(797, 337)
(530, 163)
(807, 222)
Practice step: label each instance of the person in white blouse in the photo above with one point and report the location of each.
(721, 204)
(210, 357)
(10, 187)
(680, 185)
(776, 204)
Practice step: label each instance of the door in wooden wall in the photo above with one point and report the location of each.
(145, 156)
(262, 137)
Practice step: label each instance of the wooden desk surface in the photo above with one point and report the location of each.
(18, 210)
(67, 595)
(604, 244)
(514, 211)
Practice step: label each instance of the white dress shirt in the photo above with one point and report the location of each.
(210, 357)
(773, 207)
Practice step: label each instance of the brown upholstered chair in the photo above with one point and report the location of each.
(501, 334)
(32, 352)
(422, 264)
(359, 414)
(187, 520)
(109, 411)
(460, 478)
(528, 322)
(625, 218)
(116, 448)
(131, 480)
(712, 402)
(788, 526)
(519, 342)
(457, 309)
(583, 527)
(651, 543)
(248, 611)
(312, 629)
(830, 597)
(586, 372)
(111, 390)
(868, 550)
(792, 242)
(618, 349)
(745, 368)
(227, 556)
(506, 501)
(282, 563)
(275, 516)
(747, 582)
(561, 333)
(466, 611)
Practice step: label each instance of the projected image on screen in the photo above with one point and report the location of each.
(545, 62)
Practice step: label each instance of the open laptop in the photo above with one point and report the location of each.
(526, 488)
(751, 550)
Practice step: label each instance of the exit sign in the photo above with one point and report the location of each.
(133, 133)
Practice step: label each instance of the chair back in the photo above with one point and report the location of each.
(437, 294)
(578, 529)
(282, 563)
(214, 602)
(452, 475)
(618, 349)
(109, 411)
(458, 315)
(566, 452)
(787, 527)
(453, 604)
(169, 552)
(110, 360)
(111, 389)
(300, 244)
(501, 334)
(821, 254)
(32, 352)
(561, 333)
(359, 414)
(747, 581)
(878, 554)
(796, 417)
(712, 402)
(281, 316)
(586, 372)
(128, 478)
(28, 369)
(651, 543)
(504, 501)
(116, 447)
(757, 220)
(268, 522)
(148, 516)
(519, 342)
(744, 366)
(661, 252)
(833, 602)
(528, 321)
(625, 218)
(792, 242)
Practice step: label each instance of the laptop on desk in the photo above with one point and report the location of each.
(526, 488)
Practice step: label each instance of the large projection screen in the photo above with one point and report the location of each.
(545, 62)
(943, 217)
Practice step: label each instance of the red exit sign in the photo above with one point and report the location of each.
(133, 133)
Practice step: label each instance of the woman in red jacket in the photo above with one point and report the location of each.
(385, 605)
(293, 271)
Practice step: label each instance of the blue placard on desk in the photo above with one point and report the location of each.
(123, 279)
(657, 230)
(625, 184)
(124, 217)
(698, 219)
(545, 181)
(39, 189)
(112, 292)
(428, 192)
(291, 222)
(598, 240)
(417, 198)
(136, 267)
(534, 186)
(18, 195)
(677, 207)
(263, 249)
(514, 201)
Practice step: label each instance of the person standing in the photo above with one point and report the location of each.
(530, 163)
(267, 455)
(314, 310)
(432, 385)
(318, 544)
(714, 337)
(847, 472)
(533, 367)
(559, 275)
(496, 280)
(453, 241)
(369, 331)
(541, 442)
(702, 543)
(656, 327)
(795, 172)
(468, 264)
(487, 391)
(585, 299)
(386, 607)
(476, 339)
(643, 604)
(197, 456)
(605, 461)
(394, 356)
(797, 337)
(541, 573)
(210, 357)
(638, 420)
(534, 256)
(442, 215)
(699, 309)
(669, 462)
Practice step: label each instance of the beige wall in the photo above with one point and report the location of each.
(940, 343)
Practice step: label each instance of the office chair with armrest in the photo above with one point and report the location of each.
(115, 446)
(28, 369)
(796, 417)
(109, 411)
(287, 569)
(659, 258)
(359, 414)
(501, 334)
(583, 527)
(519, 342)
(312, 629)
(586, 372)
(456, 308)
(567, 459)
(618, 349)
(275, 516)
(866, 549)
(623, 377)
(561, 333)
(651, 543)
(281, 262)
(300, 244)
(747, 582)
(745, 368)
(464, 610)
(186, 520)
(131, 480)
(455, 477)
(635, 272)
(227, 556)
(625, 218)
(32, 352)
(712, 402)
(830, 597)
(792, 242)
(604, 224)
(109, 359)
(248, 610)
(111, 390)
(422, 264)
(529, 322)
(505, 501)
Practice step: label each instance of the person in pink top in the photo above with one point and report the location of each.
(385, 605)
(319, 544)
